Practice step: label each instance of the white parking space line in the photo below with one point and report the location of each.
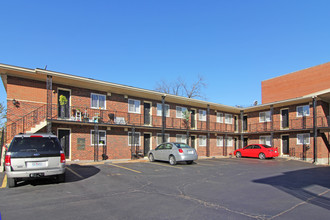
(75, 173)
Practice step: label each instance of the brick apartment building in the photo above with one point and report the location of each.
(103, 120)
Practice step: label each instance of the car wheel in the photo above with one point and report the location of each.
(172, 160)
(11, 182)
(238, 154)
(262, 156)
(61, 178)
(190, 161)
(151, 158)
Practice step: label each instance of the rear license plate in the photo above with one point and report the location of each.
(36, 164)
(190, 152)
(34, 175)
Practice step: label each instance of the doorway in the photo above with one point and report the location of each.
(147, 138)
(285, 144)
(245, 142)
(192, 118)
(193, 141)
(147, 118)
(64, 138)
(285, 118)
(64, 110)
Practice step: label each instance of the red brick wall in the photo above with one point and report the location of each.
(296, 84)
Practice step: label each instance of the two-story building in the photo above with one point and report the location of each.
(97, 120)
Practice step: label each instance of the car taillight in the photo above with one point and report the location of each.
(8, 160)
(62, 158)
(180, 151)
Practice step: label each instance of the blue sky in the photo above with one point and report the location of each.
(233, 44)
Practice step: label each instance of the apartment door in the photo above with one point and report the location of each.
(245, 142)
(285, 144)
(193, 140)
(192, 118)
(64, 138)
(64, 110)
(147, 117)
(235, 123)
(245, 123)
(146, 143)
(285, 118)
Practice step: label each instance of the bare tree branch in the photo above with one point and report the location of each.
(180, 87)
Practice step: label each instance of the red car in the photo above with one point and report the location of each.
(257, 150)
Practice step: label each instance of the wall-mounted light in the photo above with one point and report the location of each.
(15, 103)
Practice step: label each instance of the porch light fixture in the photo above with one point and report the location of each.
(15, 103)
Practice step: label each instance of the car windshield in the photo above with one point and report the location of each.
(181, 145)
(34, 144)
(266, 146)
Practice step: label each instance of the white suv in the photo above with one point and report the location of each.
(31, 156)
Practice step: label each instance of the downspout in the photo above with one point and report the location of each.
(315, 129)
(163, 118)
(242, 129)
(208, 131)
(271, 125)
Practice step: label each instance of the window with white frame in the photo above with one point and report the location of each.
(182, 138)
(302, 110)
(98, 101)
(136, 139)
(264, 116)
(219, 117)
(101, 137)
(228, 118)
(220, 141)
(229, 141)
(180, 111)
(202, 115)
(202, 140)
(160, 138)
(265, 140)
(134, 106)
(303, 139)
(160, 110)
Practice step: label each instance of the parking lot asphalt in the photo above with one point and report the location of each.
(226, 188)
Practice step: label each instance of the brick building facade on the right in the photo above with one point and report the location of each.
(296, 84)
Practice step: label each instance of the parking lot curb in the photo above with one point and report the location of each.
(89, 163)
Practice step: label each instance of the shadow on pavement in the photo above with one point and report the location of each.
(300, 184)
(73, 173)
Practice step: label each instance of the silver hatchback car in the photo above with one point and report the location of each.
(173, 152)
(34, 156)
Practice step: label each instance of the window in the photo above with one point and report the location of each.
(228, 118)
(229, 141)
(202, 115)
(101, 139)
(219, 141)
(202, 140)
(302, 110)
(159, 110)
(136, 139)
(98, 101)
(303, 139)
(219, 117)
(181, 138)
(180, 111)
(264, 116)
(134, 106)
(265, 140)
(159, 138)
